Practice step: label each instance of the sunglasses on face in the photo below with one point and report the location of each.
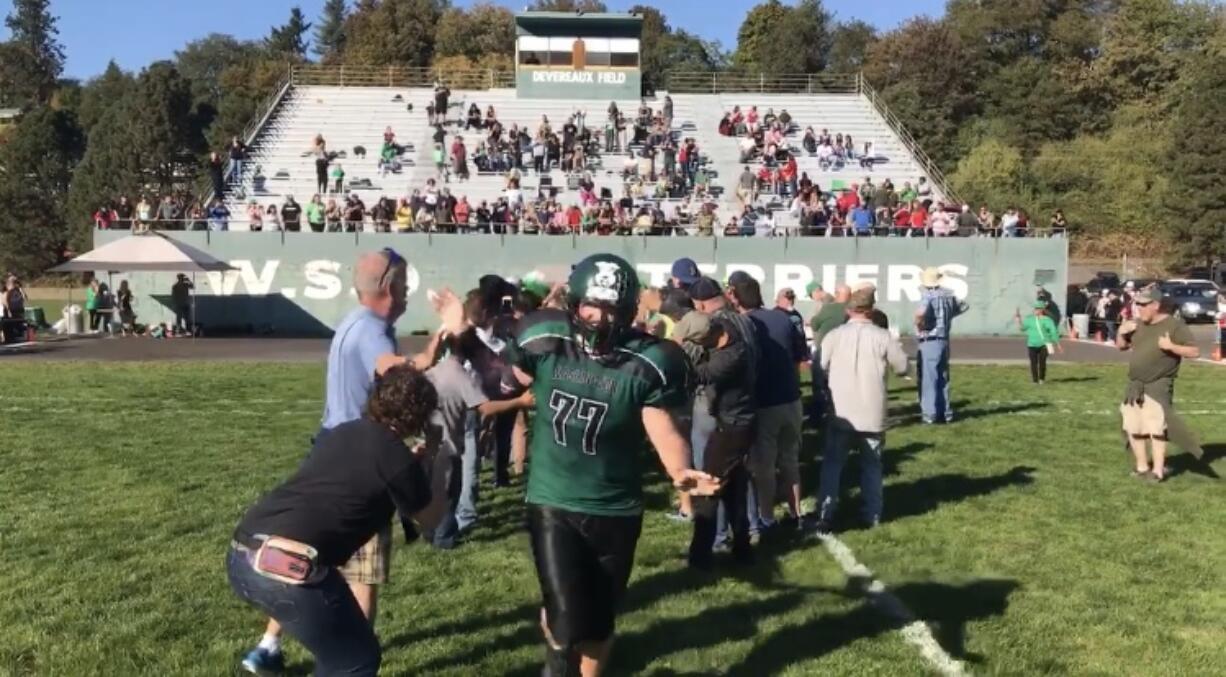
(393, 260)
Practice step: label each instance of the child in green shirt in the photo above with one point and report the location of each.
(1042, 337)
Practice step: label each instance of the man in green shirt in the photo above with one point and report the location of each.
(831, 314)
(1159, 343)
(603, 391)
(1041, 332)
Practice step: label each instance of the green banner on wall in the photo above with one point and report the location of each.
(301, 283)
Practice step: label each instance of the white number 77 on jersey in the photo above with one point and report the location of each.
(590, 412)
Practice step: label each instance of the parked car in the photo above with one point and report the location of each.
(1103, 281)
(1195, 300)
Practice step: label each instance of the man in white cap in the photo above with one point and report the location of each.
(933, 319)
(858, 357)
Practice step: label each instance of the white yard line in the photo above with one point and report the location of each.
(914, 631)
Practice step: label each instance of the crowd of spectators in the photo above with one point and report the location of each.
(663, 206)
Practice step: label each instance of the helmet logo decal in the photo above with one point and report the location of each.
(608, 284)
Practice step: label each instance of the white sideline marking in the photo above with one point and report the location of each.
(915, 632)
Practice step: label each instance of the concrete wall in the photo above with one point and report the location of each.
(300, 283)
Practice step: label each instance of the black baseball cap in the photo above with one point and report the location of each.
(739, 277)
(705, 289)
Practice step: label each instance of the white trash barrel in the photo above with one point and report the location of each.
(74, 319)
(1081, 322)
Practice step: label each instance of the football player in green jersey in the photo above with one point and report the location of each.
(603, 391)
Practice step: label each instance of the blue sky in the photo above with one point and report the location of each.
(137, 32)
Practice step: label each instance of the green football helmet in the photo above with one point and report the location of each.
(611, 283)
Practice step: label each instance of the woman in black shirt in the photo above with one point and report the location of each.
(356, 477)
(127, 316)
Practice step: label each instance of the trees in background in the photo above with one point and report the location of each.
(1196, 199)
(481, 37)
(779, 38)
(31, 60)
(1079, 105)
(289, 39)
(36, 170)
(392, 32)
(329, 43)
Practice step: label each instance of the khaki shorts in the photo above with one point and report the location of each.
(1144, 420)
(371, 563)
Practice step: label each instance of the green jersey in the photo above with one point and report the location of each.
(588, 436)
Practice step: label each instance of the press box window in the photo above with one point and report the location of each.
(618, 60)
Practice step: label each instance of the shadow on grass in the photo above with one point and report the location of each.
(892, 459)
(947, 609)
(1214, 452)
(908, 499)
(1074, 379)
(1187, 463)
(910, 415)
(521, 622)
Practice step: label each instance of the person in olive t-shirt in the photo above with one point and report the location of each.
(1159, 343)
(602, 390)
(831, 315)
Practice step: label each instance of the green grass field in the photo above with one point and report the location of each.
(1016, 534)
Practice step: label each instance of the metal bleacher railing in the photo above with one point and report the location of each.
(935, 176)
(263, 111)
(400, 76)
(719, 82)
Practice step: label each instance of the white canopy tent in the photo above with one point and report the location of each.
(150, 252)
(153, 252)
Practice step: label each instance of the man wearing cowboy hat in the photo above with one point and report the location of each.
(933, 319)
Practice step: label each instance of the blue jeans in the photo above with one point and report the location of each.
(236, 171)
(324, 617)
(839, 442)
(701, 427)
(934, 380)
(470, 472)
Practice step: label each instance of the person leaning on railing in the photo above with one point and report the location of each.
(104, 217)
